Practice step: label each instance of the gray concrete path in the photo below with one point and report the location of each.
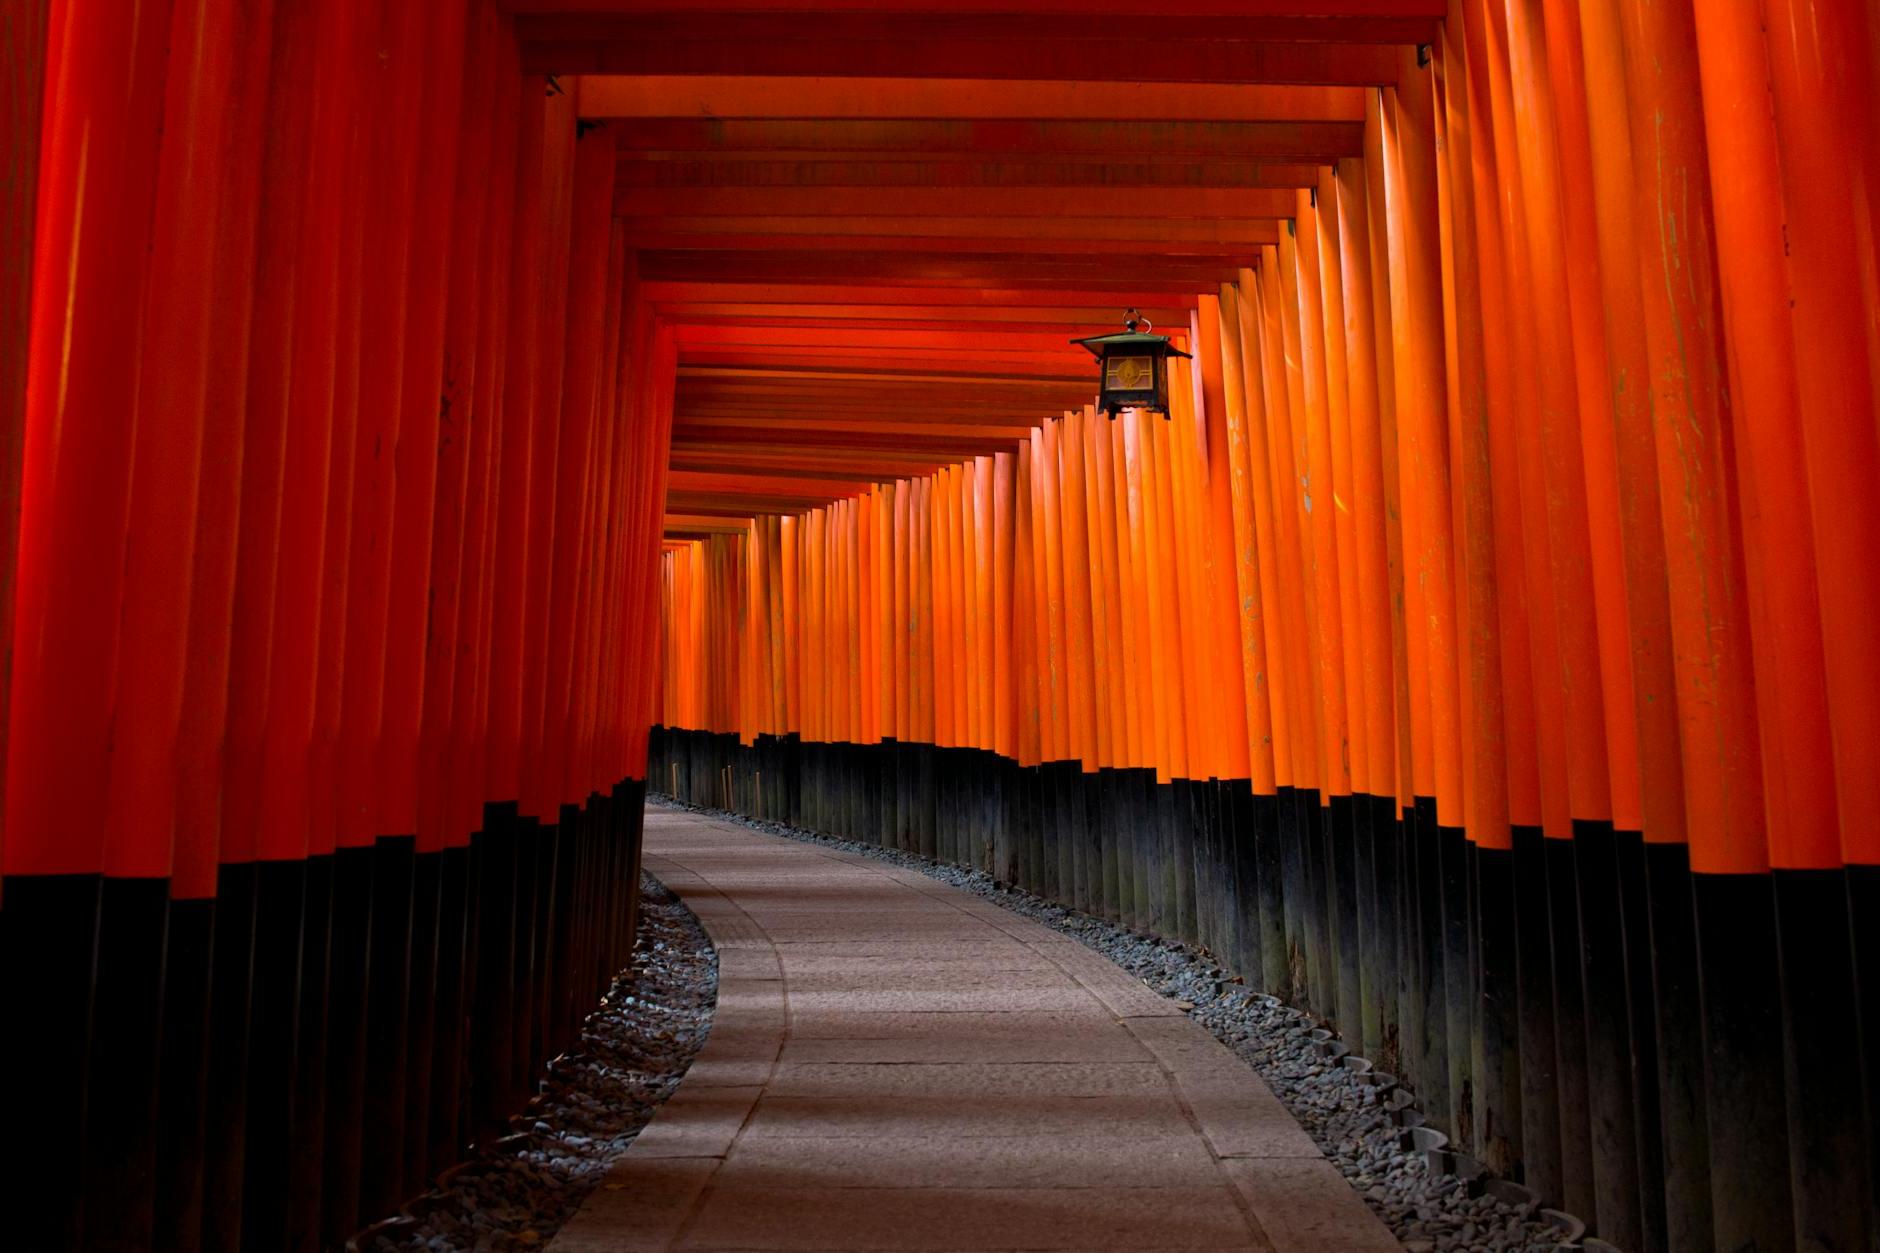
(896, 1064)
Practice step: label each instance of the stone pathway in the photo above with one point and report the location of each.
(896, 1064)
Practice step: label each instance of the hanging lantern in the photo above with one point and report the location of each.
(1132, 367)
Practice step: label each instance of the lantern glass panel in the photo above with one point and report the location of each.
(1128, 374)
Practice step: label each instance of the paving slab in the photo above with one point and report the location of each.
(1306, 1204)
(1023, 1161)
(965, 1037)
(895, 1064)
(963, 1218)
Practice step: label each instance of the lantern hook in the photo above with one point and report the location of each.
(1132, 318)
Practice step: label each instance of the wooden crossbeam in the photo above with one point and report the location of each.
(1096, 203)
(980, 138)
(720, 44)
(1125, 274)
(1166, 10)
(650, 95)
(639, 170)
(972, 302)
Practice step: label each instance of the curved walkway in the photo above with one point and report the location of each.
(896, 1064)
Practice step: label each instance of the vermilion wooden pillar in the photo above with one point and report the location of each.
(536, 849)
(487, 888)
(1735, 926)
(1824, 90)
(442, 835)
(1653, 869)
(414, 531)
(140, 806)
(371, 883)
(23, 39)
(590, 206)
(1300, 765)
(510, 580)
(23, 32)
(1478, 381)
(1254, 572)
(103, 101)
(492, 884)
(256, 958)
(1557, 529)
(212, 907)
(294, 897)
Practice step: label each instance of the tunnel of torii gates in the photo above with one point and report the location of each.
(427, 426)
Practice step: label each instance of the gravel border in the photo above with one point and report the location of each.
(1365, 1124)
(516, 1193)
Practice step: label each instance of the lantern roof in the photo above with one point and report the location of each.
(1130, 338)
(1097, 344)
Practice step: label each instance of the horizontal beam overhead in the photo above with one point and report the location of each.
(640, 170)
(737, 22)
(1054, 271)
(906, 410)
(1221, 51)
(1116, 206)
(705, 481)
(1239, 239)
(858, 430)
(1165, 10)
(991, 381)
(912, 358)
(971, 342)
(835, 318)
(971, 301)
(872, 98)
(751, 503)
(697, 379)
(1134, 140)
(958, 399)
(697, 526)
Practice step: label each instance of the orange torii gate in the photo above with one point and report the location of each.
(407, 406)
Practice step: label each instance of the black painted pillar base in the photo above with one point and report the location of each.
(310, 1096)
(1342, 841)
(183, 1076)
(1270, 904)
(492, 1044)
(1459, 977)
(48, 951)
(1534, 981)
(1647, 1116)
(1387, 909)
(1576, 1149)
(1863, 913)
(1678, 1010)
(347, 1053)
(274, 1054)
(1617, 1215)
(225, 1089)
(1828, 1167)
(1738, 964)
(387, 1009)
(1497, 1139)
(121, 1088)
(1425, 843)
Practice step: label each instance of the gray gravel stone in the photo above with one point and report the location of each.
(592, 1100)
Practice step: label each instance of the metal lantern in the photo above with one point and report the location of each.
(1132, 367)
